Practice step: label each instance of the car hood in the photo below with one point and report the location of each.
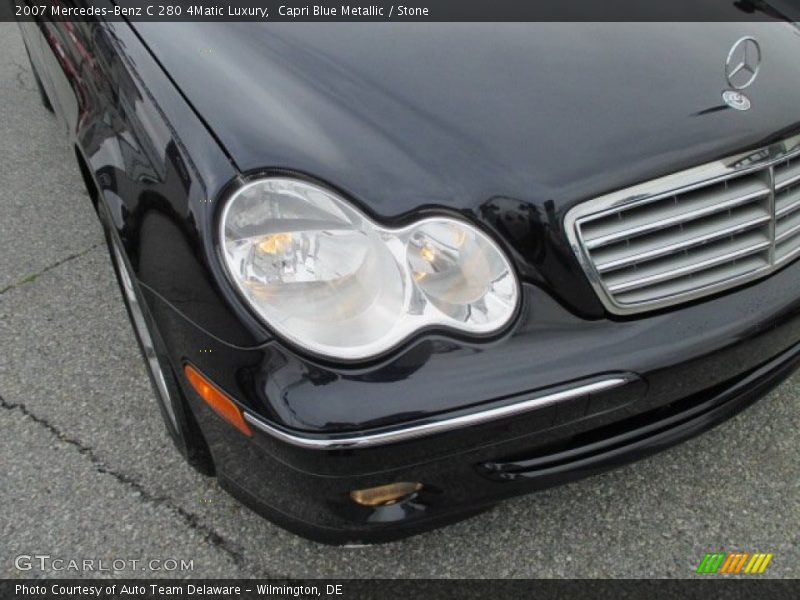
(511, 122)
(402, 115)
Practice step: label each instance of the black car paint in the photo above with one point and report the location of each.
(164, 145)
(470, 117)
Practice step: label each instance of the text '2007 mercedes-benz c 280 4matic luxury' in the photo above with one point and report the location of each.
(385, 277)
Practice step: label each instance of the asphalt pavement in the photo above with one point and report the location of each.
(87, 470)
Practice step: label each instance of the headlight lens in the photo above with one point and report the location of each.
(330, 280)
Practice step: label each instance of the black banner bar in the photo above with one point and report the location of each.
(699, 589)
(407, 10)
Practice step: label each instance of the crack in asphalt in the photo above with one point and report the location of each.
(20, 76)
(58, 263)
(192, 520)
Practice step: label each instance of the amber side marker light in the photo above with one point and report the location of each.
(384, 495)
(217, 400)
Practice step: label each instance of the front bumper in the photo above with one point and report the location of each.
(459, 485)
(682, 372)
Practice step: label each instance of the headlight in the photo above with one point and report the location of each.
(324, 276)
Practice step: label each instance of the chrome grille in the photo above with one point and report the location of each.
(693, 233)
(787, 209)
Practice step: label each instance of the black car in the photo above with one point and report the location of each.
(385, 276)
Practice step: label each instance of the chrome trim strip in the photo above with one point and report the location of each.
(761, 160)
(364, 440)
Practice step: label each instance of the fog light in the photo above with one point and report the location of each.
(384, 495)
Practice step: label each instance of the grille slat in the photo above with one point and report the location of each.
(787, 173)
(788, 250)
(787, 210)
(787, 227)
(668, 242)
(688, 262)
(787, 200)
(673, 211)
(692, 233)
(729, 272)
